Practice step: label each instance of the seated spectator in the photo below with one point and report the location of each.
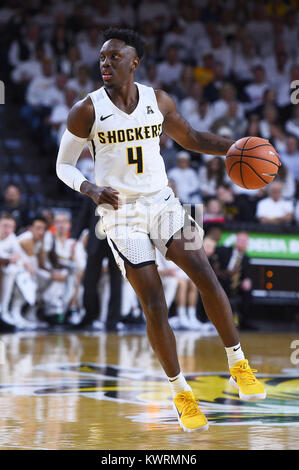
(37, 92)
(156, 11)
(178, 36)
(232, 120)
(60, 44)
(13, 205)
(270, 119)
(189, 105)
(126, 13)
(255, 90)
(290, 157)
(287, 180)
(227, 96)
(231, 265)
(259, 27)
(253, 127)
(237, 208)
(211, 176)
(40, 97)
(212, 90)
(204, 73)
(66, 259)
(201, 119)
(13, 268)
(275, 210)
(70, 62)
(151, 77)
(278, 66)
(213, 213)
(185, 179)
(292, 124)
(23, 48)
(220, 51)
(183, 87)
(58, 117)
(81, 84)
(244, 60)
(32, 244)
(26, 71)
(170, 69)
(89, 47)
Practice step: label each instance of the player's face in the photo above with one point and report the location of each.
(117, 62)
(7, 226)
(62, 224)
(38, 230)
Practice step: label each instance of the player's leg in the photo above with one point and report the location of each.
(196, 265)
(216, 304)
(148, 286)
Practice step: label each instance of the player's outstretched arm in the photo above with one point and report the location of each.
(176, 127)
(79, 125)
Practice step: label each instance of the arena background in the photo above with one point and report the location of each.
(228, 65)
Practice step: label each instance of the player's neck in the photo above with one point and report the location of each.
(126, 95)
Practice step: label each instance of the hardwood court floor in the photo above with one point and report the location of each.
(107, 391)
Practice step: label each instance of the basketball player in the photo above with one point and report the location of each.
(122, 122)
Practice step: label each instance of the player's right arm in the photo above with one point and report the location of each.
(79, 125)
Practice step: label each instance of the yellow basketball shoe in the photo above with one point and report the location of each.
(243, 378)
(189, 415)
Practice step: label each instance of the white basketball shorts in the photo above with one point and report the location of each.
(137, 228)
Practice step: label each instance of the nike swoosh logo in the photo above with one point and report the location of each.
(236, 349)
(167, 198)
(102, 118)
(180, 414)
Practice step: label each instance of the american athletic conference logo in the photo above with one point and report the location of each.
(219, 401)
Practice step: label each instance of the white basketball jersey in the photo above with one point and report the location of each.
(126, 147)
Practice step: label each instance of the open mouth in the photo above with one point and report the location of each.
(106, 75)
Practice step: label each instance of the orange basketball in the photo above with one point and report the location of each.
(252, 162)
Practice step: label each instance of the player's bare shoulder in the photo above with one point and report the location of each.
(165, 102)
(81, 117)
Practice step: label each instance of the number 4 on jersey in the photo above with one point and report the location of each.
(137, 159)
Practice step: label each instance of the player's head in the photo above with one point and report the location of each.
(62, 222)
(7, 225)
(120, 55)
(38, 227)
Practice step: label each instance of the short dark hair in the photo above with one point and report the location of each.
(39, 218)
(7, 215)
(128, 36)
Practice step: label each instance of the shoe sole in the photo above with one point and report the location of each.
(258, 396)
(202, 428)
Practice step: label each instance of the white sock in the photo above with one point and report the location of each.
(178, 384)
(182, 312)
(192, 313)
(234, 355)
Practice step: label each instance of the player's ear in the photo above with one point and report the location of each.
(135, 63)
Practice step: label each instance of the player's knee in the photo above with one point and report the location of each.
(156, 312)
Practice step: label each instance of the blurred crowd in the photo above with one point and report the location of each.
(55, 272)
(232, 69)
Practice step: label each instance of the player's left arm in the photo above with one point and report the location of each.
(176, 127)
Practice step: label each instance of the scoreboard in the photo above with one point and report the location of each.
(274, 265)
